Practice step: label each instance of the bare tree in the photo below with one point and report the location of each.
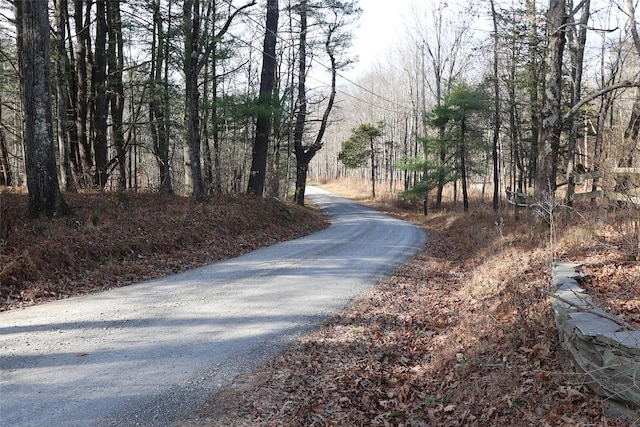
(445, 37)
(82, 19)
(115, 62)
(100, 104)
(159, 96)
(578, 40)
(267, 84)
(549, 141)
(191, 32)
(32, 24)
(5, 172)
(338, 15)
(496, 115)
(63, 96)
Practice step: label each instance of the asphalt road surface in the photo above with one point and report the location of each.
(151, 353)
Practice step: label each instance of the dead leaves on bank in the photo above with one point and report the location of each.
(115, 239)
(457, 337)
(460, 335)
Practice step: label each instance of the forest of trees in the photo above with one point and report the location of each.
(221, 96)
(523, 96)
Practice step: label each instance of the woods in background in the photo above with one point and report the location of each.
(222, 96)
(557, 81)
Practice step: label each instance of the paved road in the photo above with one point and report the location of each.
(150, 353)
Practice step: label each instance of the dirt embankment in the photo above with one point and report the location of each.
(115, 239)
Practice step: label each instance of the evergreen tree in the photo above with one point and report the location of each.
(361, 148)
(461, 116)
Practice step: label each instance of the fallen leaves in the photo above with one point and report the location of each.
(113, 240)
(441, 342)
(460, 335)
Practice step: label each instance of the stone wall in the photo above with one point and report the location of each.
(602, 347)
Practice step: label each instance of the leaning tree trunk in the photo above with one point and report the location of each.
(32, 23)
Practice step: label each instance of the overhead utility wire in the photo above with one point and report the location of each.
(347, 94)
(262, 27)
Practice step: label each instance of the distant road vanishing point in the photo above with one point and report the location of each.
(151, 353)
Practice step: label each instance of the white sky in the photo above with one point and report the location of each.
(380, 25)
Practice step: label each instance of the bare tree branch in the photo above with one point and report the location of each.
(587, 310)
(597, 94)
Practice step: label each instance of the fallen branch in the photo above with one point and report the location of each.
(588, 310)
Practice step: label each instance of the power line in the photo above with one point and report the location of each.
(313, 59)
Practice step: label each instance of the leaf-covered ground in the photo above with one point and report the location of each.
(115, 239)
(460, 335)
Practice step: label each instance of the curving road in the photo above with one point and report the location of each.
(151, 353)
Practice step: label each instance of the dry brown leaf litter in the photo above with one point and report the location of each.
(113, 240)
(458, 336)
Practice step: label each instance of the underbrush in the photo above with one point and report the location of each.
(605, 238)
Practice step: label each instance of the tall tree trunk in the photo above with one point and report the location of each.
(533, 68)
(99, 85)
(603, 112)
(630, 145)
(115, 59)
(496, 116)
(549, 141)
(211, 53)
(158, 109)
(205, 132)
(72, 88)
(633, 127)
(63, 96)
(82, 107)
(193, 167)
(155, 73)
(301, 102)
(577, 57)
(267, 83)
(215, 122)
(518, 173)
(5, 168)
(304, 155)
(216, 173)
(32, 23)
(373, 167)
(463, 164)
